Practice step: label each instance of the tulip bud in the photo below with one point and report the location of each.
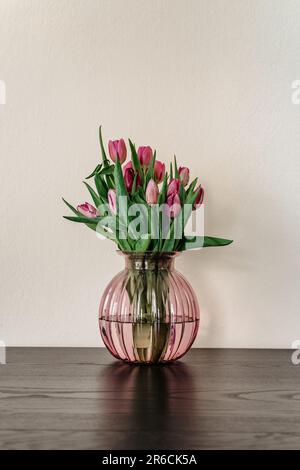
(174, 187)
(145, 155)
(127, 166)
(129, 174)
(173, 207)
(128, 179)
(112, 201)
(159, 171)
(87, 210)
(199, 198)
(184, 175)
(117, 149)
(152, 192)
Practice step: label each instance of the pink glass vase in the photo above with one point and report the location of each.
(148, 312)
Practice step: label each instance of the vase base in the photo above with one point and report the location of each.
(148, 343)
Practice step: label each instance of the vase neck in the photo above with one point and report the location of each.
(149, 261)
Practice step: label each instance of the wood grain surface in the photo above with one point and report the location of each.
(81, 398)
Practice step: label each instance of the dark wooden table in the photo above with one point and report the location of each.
(66, 398)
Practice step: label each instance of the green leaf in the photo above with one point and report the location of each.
(82, 220)
(206, 241)
(70, 206)
(101, 186)
(137, 199)
(104, 157)
(180, 245)
(93, 194)
(189, 203)
(191, 187)
(96, 170)
(135, 159)
(103, 227)
(169, 243)
(121, 191)
(163, 193)
(90, 223)
(110, 181)
(124, 244)
(182, 193)
(175, 167)
(142, 244)
(141, 193)
(106, 162)
(171, 171)
(214, 241)
(119, 180)
(192, 196)
(94, 224)
(150, 172)
(133, 190)
(109, 170)
(155, 246)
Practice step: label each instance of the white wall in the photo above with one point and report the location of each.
(207, 79)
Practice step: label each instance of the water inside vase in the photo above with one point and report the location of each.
(148, 342)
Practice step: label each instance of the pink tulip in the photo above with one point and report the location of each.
(128, 178)
(117, 149)
(152, 192)
(200, 197)
(129, 173)
(173, 205)
(112, 201)
(87, 210)
(184, 175)
(127, 166)
(145, 155)
(159, 171)
(173, 187)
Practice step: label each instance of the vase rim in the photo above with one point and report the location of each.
(148, 254)
(149, 260)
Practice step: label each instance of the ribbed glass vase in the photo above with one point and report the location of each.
(148, 312)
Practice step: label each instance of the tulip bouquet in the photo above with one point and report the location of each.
(148, 312)
(139, 205)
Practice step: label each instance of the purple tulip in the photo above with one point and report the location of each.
(112, 201)
(129, 174)
(199, 198)
(127, 166)
(87, 210)
(152, 192)
(173, 207)
(173, 187)
(159, 171)
(145, 155)
(184, 175)
(117, 149)
(128, 178)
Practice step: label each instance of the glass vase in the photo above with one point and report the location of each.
(148, 312)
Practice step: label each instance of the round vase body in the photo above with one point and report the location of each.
(148, 312)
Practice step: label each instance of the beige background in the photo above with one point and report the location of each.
(207, 79)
